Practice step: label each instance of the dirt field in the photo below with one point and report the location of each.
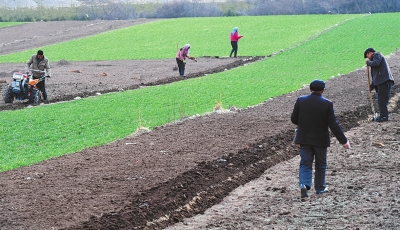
(228, 170)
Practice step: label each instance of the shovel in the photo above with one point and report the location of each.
(370, 96)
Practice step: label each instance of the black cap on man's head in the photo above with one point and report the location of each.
(367, 51)
(40, 52)
(317, 85)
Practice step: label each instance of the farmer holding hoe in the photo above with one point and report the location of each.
(382, 81)
(181, 56)
(313, 115)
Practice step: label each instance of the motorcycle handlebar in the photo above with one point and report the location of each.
(37, 71)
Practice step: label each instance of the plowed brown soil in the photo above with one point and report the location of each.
(155, 179)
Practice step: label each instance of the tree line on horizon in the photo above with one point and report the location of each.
(195, 8)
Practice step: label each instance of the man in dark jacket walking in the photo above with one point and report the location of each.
(382, 81)
(313, 115)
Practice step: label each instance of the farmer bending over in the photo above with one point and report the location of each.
(181, 56)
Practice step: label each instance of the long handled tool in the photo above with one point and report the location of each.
(370, 95)
(175, 68)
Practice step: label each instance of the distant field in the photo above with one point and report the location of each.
(67, 3)
(310, 51)
(263, 36)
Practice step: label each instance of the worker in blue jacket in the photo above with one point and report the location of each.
(382, 81)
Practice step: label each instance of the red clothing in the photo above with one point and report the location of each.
(182, 54)
(235, 37)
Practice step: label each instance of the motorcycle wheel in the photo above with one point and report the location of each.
(8, 95)
(36, 96)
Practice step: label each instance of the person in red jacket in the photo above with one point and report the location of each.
(234, 41)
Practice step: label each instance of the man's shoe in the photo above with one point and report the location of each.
(381, 119)
(322, 191)
(46, 101)
(303, 190)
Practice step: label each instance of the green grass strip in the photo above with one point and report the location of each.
(36, 134)
(7, 24)
(263, 35)
(337, 52)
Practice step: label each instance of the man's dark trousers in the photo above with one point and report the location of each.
(307, 154)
